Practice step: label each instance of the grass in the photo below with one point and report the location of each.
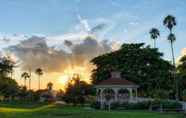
(56, 111)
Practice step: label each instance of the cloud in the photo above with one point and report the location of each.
(183, 52)
(8, 40)
(83, 23)
(34, 52)
(56, 53)
(98, 27)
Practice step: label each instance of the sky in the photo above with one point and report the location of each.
(54, 25)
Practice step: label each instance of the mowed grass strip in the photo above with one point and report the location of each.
(56, 111)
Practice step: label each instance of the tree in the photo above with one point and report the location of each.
(76, 91)
(50, 86)
(154, 34)
(172, 39)
(8, 86)
(137, 63)
(25, 76)
(170, 22)
(6, 66)
(23, 93)
(30, 80)
(39, 72)
(181, 68)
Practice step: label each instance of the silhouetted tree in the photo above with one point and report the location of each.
(6, 66)
(50, 86)
(25, 76)
(8, 86)
(181, 68)
(39, 72)
(76, 91)
(154, 34)
(170, 22)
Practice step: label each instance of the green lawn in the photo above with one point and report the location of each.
(55, 111)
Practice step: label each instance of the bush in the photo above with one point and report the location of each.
(115, 105)
(171, 105)
(141, 105)
(184, 95)
(138, 106)
(167, 104)
(96, 105)
(124, 106)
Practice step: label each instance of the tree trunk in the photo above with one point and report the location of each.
(173, 59)
(25, 82)
(30, 79)
(29, 83)
(154, 43)
(39, 82)
(174, 71)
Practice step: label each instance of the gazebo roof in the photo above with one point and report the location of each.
(117, 81)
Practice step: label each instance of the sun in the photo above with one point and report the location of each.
(63, 79)
(69, 73)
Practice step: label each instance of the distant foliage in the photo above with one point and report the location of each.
(77, 91)
(8, 87)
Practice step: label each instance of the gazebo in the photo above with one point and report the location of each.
(116, 89)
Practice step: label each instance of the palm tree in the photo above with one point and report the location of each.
(25, 76)
(39, 72)
(30, 79)
(154, 34)
(170, 22)
(172, 38)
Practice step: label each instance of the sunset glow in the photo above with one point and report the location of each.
(69, 73)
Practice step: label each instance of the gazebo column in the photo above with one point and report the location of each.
(136, 94)
(97, 94)
(115, 94)
(101, 97)
(130, 94)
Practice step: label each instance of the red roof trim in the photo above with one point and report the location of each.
(116, 81)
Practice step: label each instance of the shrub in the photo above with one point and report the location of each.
(184, 95)
(96, 105)
(141, 105)
(115, 105)
(167, 104)
(171, 105)
(138, 106)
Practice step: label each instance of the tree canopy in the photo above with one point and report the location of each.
(138, 63)
(76, 91)
(8, 86)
